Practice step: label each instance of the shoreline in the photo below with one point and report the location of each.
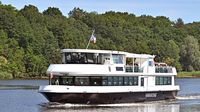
(194, 74)
(187, 76)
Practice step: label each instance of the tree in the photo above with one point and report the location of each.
(172, 54)
(15, 55)
(52, 11)
(4, 65)
(31, 13)
(3, 38)
(77, 13)
(190, 54)
(179, 23)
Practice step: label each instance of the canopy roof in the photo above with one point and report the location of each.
(109, 52)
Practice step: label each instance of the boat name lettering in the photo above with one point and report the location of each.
(150, 94)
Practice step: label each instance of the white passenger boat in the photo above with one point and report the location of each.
(89, 76)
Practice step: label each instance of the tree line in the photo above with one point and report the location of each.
(31, 40)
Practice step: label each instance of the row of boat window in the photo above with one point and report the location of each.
(107, 81)
(160, 80)
(96, 81)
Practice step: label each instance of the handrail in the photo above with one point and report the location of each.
(160, 69)
(137, 69)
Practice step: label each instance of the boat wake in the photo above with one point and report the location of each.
(126, 107)
(55, 105)
(188, 97)
(68, 105)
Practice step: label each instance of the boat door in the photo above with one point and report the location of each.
(144, 82)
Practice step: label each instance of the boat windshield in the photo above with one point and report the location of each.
(83, 58)
(117, 58)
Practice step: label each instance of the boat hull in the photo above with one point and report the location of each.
(109, 98)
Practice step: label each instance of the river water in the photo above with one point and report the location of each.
(23, 96)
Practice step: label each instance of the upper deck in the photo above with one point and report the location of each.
(107, 62)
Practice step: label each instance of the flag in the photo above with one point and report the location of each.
(93, 38)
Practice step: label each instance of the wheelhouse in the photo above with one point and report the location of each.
(83, 56)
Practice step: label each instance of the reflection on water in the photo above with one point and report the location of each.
(133, 107)
(24, 82)
(190, 108)
(21, 84)
(161, 106)
(12, 87)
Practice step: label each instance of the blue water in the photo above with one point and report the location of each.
(189, 86)
(29, 100)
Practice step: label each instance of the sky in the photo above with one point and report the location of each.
(187, 10)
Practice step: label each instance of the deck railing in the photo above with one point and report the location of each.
(158, 69)
(137, 69)
(166, 69)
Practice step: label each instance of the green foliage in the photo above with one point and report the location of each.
(31, 13)
(52, 11)
(5, 75)
(77, 13)
(179, 23)
(172, 54)
(190, 54)
(189, 74)
(31, 40)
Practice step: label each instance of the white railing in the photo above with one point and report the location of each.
(136, 69)
(165, 69)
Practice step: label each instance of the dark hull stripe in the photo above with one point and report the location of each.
(109, 98)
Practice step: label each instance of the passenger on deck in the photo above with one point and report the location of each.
(56, 82)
